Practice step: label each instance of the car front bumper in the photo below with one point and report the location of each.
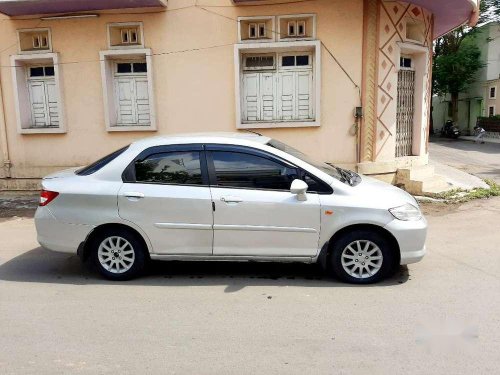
(411, 237)
(55, 235)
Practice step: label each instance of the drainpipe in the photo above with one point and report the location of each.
(4, 145)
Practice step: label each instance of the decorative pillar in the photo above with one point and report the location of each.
(367, 133)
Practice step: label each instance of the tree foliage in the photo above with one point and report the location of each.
(454, 72)
(457, 57)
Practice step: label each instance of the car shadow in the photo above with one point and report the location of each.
(44, 266)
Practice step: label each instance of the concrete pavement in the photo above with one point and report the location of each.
(436, 317)
(482, 160)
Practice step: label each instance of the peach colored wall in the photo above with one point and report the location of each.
(194, 90)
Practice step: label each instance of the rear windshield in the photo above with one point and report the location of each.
(97, 165)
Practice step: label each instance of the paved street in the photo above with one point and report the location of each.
(439, 316)
(482, 160)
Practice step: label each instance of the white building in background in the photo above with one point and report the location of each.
(482, 98)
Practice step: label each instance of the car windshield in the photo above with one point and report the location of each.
(343, 175)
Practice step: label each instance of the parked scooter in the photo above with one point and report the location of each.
(449, 130)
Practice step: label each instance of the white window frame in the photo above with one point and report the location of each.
(128, 32)
(312, 47)
(258, 20)
(494, 110)
(256, 32)
(131, 61)
(292, 17)
(21, 94)
(289, 25)
(261, 25)
(304, 27)
(410, 57)
(126, 25)
(40, 50)
(295, 53)
(244, 68)
(108, 59)
(489, 92)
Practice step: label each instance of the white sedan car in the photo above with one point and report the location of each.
(231, 197)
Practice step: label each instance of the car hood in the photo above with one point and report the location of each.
(64, 173)
(382, 194)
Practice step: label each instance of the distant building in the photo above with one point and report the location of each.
(482, 98)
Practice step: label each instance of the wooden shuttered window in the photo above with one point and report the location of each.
(43, 97)
(132, 96)
(281, 94)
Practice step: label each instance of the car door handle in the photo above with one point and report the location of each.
(231, 200)
(132, 194)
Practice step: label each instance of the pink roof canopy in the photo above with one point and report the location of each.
(449, 14)
(32, 7)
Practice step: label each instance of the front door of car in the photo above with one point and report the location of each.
(255, 213)
(166, 194)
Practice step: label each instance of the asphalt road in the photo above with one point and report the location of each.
(439, 316)
(482, 160)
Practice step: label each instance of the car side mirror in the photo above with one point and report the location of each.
(299, 188)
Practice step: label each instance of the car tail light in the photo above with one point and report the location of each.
(47, 196)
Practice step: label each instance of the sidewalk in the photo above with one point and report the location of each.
(486, 140)
(458, 178)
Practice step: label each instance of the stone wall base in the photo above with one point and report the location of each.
(20, 184)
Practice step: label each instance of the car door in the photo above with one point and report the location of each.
(255, 213)
(166, 193)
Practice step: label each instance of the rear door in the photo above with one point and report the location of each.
(166, 193)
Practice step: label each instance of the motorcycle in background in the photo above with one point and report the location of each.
(449, 130)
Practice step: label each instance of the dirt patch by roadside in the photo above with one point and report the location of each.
(438, 208)
(20, 205)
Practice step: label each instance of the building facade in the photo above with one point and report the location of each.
(347, 81)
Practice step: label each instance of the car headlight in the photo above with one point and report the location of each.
(407, 212)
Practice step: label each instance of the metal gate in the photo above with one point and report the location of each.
(405, 111)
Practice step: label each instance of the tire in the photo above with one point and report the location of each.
(118, 254)
(375, 257)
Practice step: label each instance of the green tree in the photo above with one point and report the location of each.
(454, 72)
(457, 57)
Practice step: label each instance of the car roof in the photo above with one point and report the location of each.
(215, 137)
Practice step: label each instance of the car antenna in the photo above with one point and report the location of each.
(251, 131)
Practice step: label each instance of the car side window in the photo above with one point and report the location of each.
(241, 170)
(181, 167)
(101, 163)
(316, 186)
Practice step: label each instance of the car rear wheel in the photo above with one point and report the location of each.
(362, 257)
(118, 254)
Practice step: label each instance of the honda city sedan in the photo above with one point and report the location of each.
(228, 197)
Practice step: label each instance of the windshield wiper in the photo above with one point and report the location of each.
(347, 176)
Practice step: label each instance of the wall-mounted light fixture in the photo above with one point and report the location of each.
(68, 16)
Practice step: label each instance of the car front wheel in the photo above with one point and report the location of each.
(362, 257)
(118, 255)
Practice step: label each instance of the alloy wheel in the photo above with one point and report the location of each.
(362, 259)
(116, 254)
